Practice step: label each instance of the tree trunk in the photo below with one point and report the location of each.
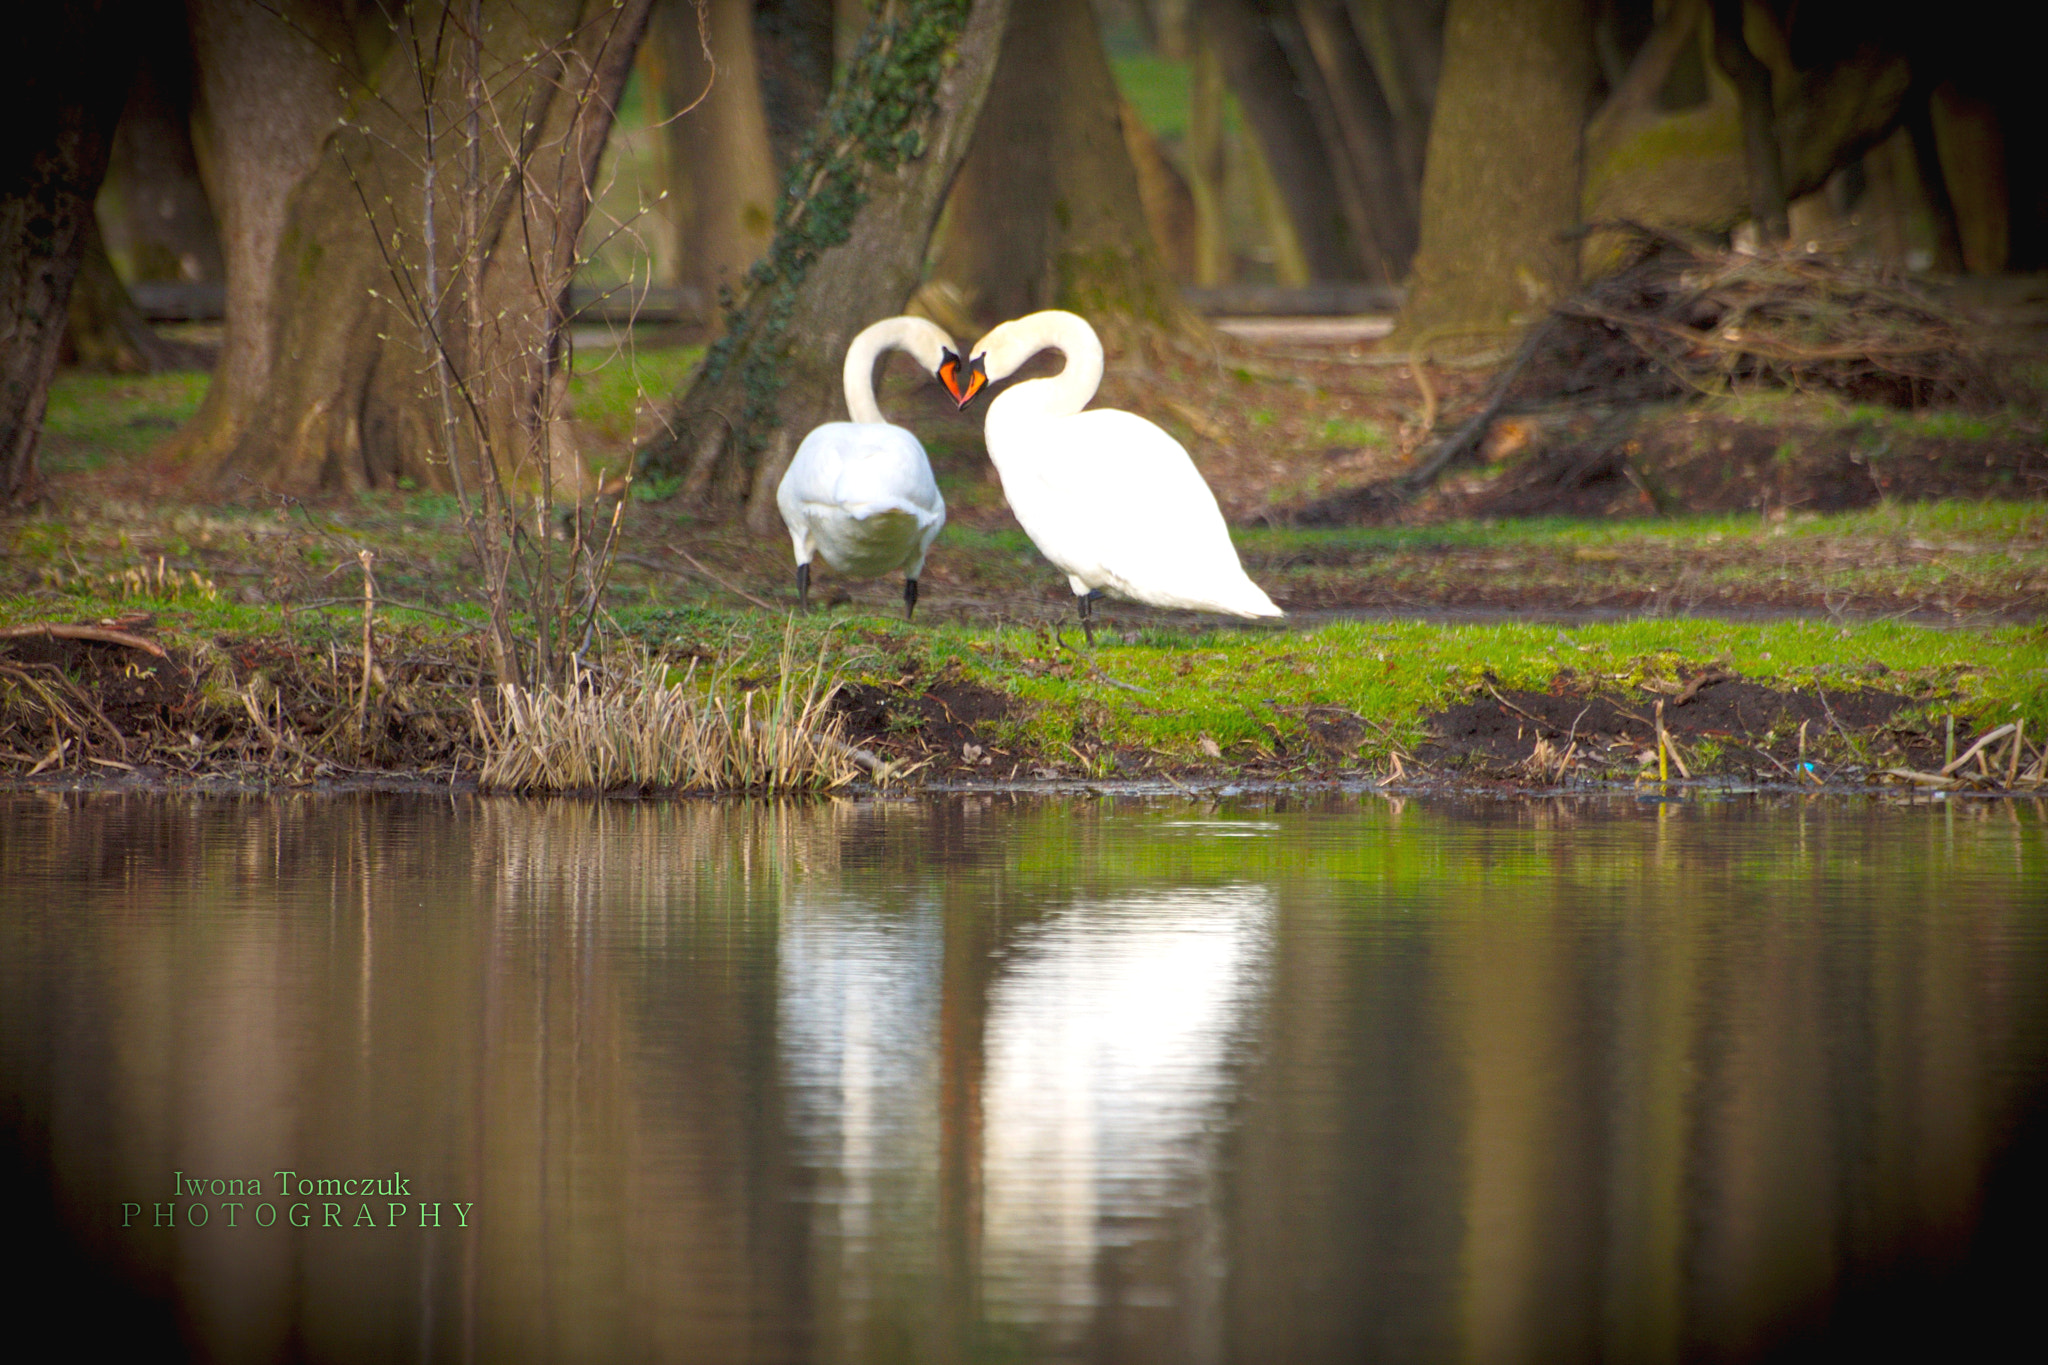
(107, 331)
(793, 58)
(158, 222)
(849, 247)
(1047, 212)
(1163, 193)
(430, 208)
(1688, 169)
(1257, 70)
(1206, 168)
(1502, 186)
(265, 99)
(60, 111)
(723, 168)
(1404, 39)
(1363, 127)
(1763, 161)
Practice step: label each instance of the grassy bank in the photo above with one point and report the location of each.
(265, 691)
(1783, 645)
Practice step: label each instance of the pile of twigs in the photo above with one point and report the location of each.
(2001, 760)
(1710, 321)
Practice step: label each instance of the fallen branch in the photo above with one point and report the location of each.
(2001, 732)
(99, 634)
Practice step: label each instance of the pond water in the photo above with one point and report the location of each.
(1002, 1077)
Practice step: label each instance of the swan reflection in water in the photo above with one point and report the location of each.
(1106, 1037)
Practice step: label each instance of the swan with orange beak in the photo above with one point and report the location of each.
(1110, 498)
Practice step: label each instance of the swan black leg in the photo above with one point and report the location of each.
(909, 598)
(1086, 602)
(803, 587)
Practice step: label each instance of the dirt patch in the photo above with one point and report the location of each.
(1724, 725)
(952, 723)
(229, 708)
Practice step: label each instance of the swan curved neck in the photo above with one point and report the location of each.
(914, 336)
(1062, 395)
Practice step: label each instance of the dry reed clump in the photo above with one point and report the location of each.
(637, 728)
(1688, 317)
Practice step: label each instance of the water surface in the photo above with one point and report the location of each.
(1001, 1078)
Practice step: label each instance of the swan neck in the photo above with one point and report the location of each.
(1060, 395)
(922, 341)
(859, 375)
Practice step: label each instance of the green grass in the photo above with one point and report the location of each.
(1988, 521)
(1777, 407)
(94, 417)
(1239, 688)
(1351, 431)
(608, 390)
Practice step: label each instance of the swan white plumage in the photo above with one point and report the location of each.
(861, 493)
(1111, 499)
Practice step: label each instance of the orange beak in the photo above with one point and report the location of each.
(963, 380)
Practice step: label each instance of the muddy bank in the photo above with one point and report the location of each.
(125, 709)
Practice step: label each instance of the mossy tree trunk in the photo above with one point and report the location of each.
(439, 207)
(794, 43)
(59, 114)
(1690, 168)
(849, 248)
(1500, 195)
(1047, 211)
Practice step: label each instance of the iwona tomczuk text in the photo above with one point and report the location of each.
(234, 1198)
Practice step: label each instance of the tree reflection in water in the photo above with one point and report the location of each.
(1122, 1079)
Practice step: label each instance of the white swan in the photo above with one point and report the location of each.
(861, 493)
(1111, 499)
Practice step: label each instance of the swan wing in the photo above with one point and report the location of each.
(862, 494)
(1116, 502)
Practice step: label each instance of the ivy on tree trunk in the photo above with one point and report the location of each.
(849, 246)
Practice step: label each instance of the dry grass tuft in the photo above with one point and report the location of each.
(639, 727)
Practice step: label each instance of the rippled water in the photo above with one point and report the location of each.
(1002, 1078)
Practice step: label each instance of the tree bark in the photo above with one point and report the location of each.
(1364, 131)
(1206, 170)
(722, 166)
(1047, 212)
(59, 114)
(363, 264)
(793, 56)
(1687, 169)
(1501, 191)
(1763, 162)
(1404, 40)
(268, 92)
(849, 247)
(1257, 70)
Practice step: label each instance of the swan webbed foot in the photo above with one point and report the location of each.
(803, 587)
(909, 598)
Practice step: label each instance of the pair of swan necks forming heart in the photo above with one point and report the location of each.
(1110, 498)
